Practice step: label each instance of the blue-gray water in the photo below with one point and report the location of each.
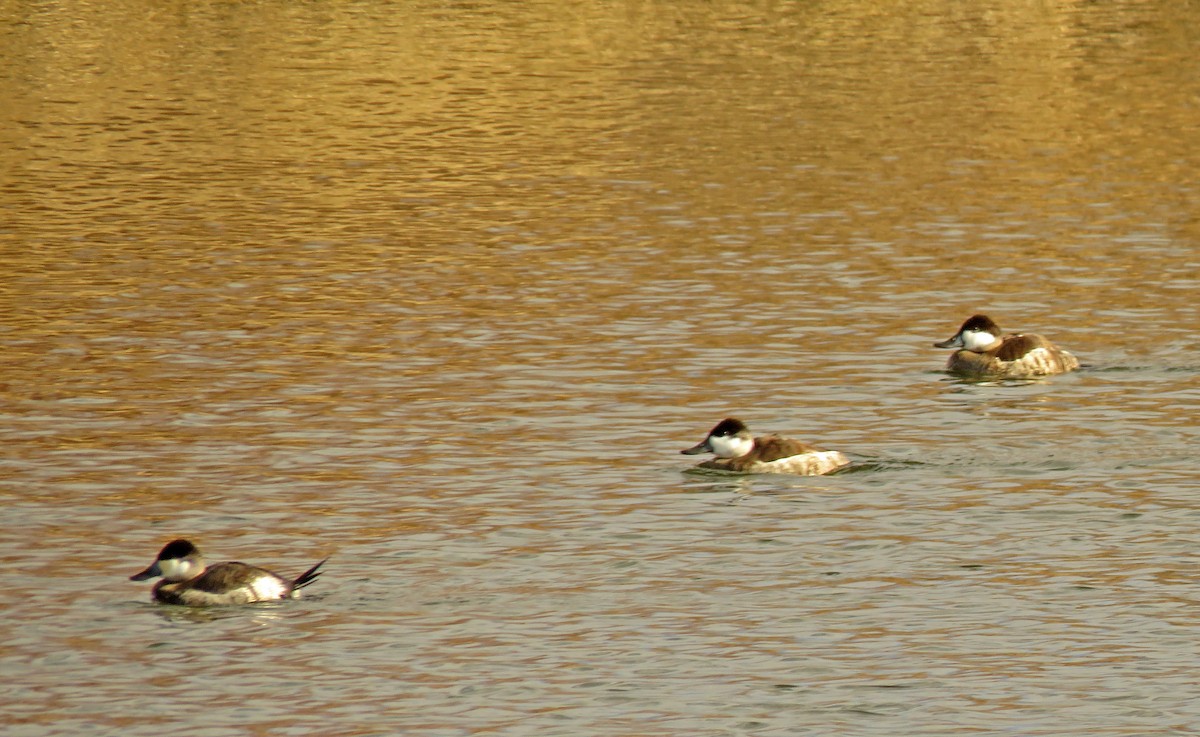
(441, 290)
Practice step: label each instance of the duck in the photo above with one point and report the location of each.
(984, 351)
(188, 581)
(737, 450)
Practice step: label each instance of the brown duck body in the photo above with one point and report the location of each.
(187, 581)
(984, 351)
(775, 454)
(1022, 355)
(228, 583)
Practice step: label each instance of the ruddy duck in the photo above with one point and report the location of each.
(984, 351)
(738, 451)
(186, 580)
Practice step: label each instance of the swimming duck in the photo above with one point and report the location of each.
(188, 581)
(983, 350)
(738, 451)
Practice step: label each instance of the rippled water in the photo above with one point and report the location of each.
(440, 290)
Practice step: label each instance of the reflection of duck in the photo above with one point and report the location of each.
(983, 351)
(187, 580)
(738, 451)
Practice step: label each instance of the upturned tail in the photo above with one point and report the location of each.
(308, 576)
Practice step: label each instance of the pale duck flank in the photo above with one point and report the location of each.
(265, 588)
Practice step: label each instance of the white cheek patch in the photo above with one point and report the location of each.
(977, 340)
(175, 569)
(730, 447)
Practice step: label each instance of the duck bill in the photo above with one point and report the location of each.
(955, 342)
(152, 572)
(701, 447)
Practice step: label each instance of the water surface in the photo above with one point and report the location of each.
(440, 290)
